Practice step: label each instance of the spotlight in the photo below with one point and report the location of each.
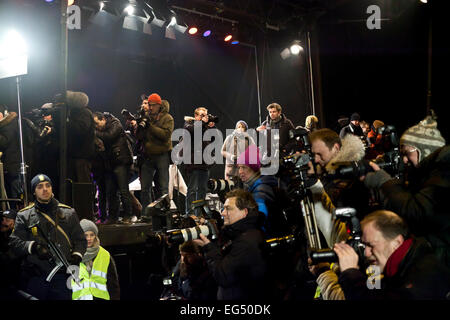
(424, 1)
(234, 42)
(193, 30)
(70, 2)
(207, 33)
(129, 10)
(228, 38)
(296, 47)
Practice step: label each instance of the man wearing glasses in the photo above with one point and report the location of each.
(421, 197)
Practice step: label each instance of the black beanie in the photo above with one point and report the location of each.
(38, 179)
(355, 116)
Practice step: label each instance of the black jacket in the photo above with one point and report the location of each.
(419, 276)
(22, 237)
(237, 262)
(9, 143)
(423, 203)
(80, 133)
(189, 125)
(117, 146)
(284, 125)
(351, 129)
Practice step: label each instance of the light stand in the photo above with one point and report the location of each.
(14, 63)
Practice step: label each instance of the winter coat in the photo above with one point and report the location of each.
(351, 129)
(347, 192)
(267, 195)
(9, 143)
(189, 125)
(156, 138)
(284, 125)
(237, 262)
(117, 147)
(423, 203)
(419, 276)
(22, 236)
(238, 141)
(80, 133)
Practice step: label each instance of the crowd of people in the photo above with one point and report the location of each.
(399, 247)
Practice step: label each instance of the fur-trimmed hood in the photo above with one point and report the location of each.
(352, 149)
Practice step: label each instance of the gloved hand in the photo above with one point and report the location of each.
(74, 260)
(40, 249)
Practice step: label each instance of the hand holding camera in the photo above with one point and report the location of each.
(40, 249)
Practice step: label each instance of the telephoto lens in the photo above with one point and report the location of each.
(183, 235)
(219, 185)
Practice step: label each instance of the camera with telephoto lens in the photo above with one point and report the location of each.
(354, 240)
(221, 185)
(212, 118)
(390, 161)
(208, 229)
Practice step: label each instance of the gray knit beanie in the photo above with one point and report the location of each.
(88, 225)
(424, 136)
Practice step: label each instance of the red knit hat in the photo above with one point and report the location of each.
(250, 158)
(154, 98)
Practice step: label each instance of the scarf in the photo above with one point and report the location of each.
(396, 258)
(252, 180)
(274, 122)
(90, 254)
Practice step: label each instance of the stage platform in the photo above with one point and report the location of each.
(123, 234)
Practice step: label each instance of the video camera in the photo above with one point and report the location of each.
(296, 166)
(389, 161)
(354, 240)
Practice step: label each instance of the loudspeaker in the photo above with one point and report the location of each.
(82, 199)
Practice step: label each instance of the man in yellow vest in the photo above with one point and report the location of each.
(98, 273)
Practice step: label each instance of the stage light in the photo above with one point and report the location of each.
(235, 42)
(48, 0)
(129, 9)
(193, 30)
(207, 33)
(424, 1)
(13, 55)
(173, 21)
(228, 38)
(70, 2)
(296, 47)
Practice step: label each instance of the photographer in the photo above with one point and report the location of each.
(154, 133)
(119, 155)
(237, 262)
(408, 266)
(194, 281)
(265, 191)
(329, 149)
(197, 171)
(421, 197)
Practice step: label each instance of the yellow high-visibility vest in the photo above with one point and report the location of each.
(95, 284)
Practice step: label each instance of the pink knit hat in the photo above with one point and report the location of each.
(251, 158)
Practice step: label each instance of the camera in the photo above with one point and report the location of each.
(127, 115)
(354, 240)
(209, 228)
(390, 161)
(221, 185)
(212, 118)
